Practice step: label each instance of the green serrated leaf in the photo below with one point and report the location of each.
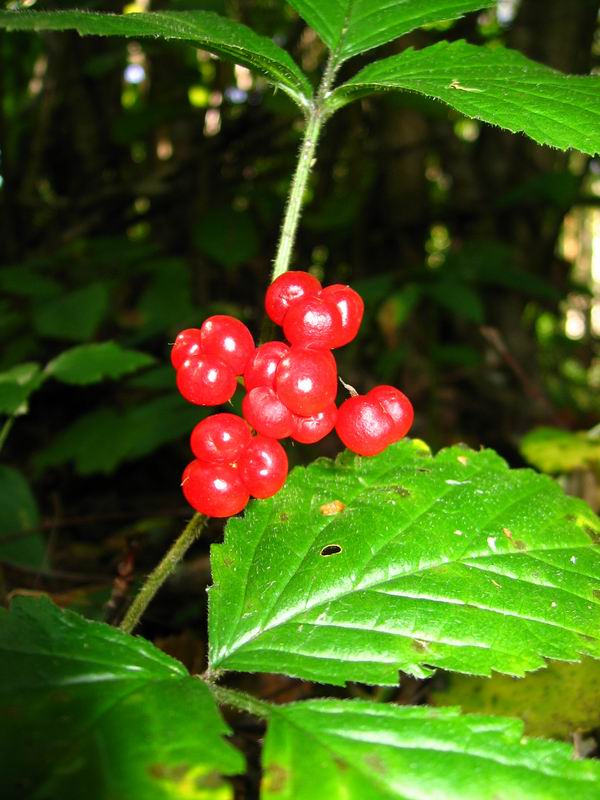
(495, 85)
(557, 701)
(16, 385)
(20, 543)
(100, 441)
(453, 561)
(349, 27)
(97, 713)
(554, 450)
(219, 35)
(91, 363)
(74, 316)
(353, 750)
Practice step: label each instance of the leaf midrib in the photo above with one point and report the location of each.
(478, 756)
(255, 633)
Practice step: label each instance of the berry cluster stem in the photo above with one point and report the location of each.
(160, 573)
(315, 120)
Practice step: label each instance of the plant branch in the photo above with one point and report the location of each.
(315, 120)
(160, 574)
(240, 701)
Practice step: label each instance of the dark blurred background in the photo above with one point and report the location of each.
(142, 186)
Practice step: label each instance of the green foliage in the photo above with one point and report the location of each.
(100, 441)
(451, 561)
(91, 363)
(75, 316)
(16, 385)
(555, 450)
(219, 35)
(353, 750)
(359, 568)
(106, 714)
(497, 85)
(229, 237)
(556, 701)
(19, 514)
(350, 27)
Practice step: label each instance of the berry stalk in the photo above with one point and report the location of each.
(315, 120)
(160, 574)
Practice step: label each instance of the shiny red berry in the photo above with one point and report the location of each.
(286, 290)
(263, 467)
(206, 381)
(220, 438)
(228, 339)
(187, 343)
(351, 308)
(397, 405)
(263, 409)
(214, 489)
(306, 380)
(313, 322)
(363, 426)
(261, 368)
(309, 430)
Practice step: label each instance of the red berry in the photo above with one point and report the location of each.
(309, 430)
(214, 489)
(187, 343)
(351, 307)
(260, 370)
(397, 406)
(228, 339)
(313, 322)
(263, 409)
(306, 380)
(206, 381)
(263, 467)
(286, 290)
(220, 438)
(363, 426)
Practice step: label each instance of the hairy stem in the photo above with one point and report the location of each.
(314, 123)
(240, 700)
(160, 574)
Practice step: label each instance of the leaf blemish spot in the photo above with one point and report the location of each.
(331, 550)
(284, 517)
(332, 508)
(594, 535)
(463, 460)
(508, 533)
(457, 85)
(274, 779)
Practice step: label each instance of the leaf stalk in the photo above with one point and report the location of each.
(160, 574)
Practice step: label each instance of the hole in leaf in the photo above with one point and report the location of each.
(331, 550)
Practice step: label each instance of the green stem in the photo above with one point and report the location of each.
(5, 430)
(241, 701)
(160, 574)
(314, 123)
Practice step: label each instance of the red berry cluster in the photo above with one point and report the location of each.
(290, 391)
